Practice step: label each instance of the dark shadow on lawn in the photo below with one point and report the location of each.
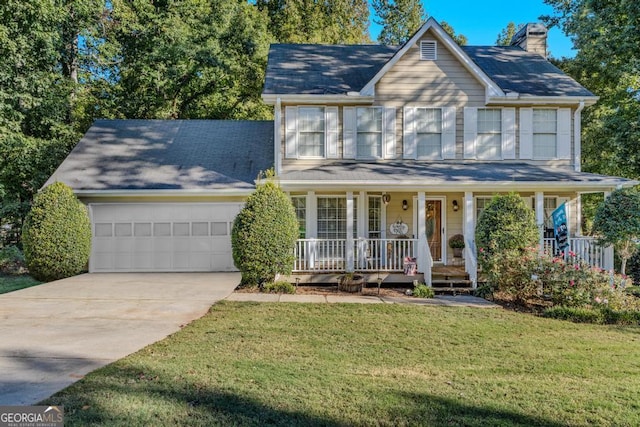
(85, 402)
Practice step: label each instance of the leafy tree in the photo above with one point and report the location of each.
(507, 33)
(312, 21)
(57, 234)
(461, 39)
(399, 19)
(617, 223)
(608, 53)
(264, 235)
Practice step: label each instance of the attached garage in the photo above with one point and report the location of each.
(163, 194)
(162, 236)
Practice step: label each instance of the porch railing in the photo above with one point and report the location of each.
(584, 248)
(331, 255)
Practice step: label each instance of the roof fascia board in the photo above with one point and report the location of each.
(491, 87)
(271, 99)
(542, 100)
(161, 193)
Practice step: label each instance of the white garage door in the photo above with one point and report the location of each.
(162, 236)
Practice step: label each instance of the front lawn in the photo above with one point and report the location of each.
(14, 283)
(348, 364)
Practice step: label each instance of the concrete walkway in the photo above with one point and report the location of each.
(54, 334)
(440, 300)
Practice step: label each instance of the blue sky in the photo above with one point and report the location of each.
(482, 20)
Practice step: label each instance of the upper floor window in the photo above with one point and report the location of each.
(311, 127)
(369, 132)
(545, 129)
(428, 133)
(489, 139)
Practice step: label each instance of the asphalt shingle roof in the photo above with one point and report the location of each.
(169, 154)
(443, 173)
(337, 69)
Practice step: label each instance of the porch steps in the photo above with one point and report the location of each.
(449, 280)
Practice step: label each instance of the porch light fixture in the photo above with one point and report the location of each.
(455, 206)
(405, 205)
(386, 198)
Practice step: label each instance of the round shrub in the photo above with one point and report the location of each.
(57, 234)
(506, 223)
(264, 235)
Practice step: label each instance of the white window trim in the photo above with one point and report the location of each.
(533, 133)
(337, 196)
(442, 125)
(501, 133)
(292, 132)
(382, 133)
(447, 133)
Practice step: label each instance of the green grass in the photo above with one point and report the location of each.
(339, 364)
(14, 283)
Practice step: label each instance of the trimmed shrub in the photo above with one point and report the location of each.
(264, 235)
(12, 260)
(575, 314)
(423, 291)
(57, 234)
(279, 287)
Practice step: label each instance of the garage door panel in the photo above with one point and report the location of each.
(163, 236)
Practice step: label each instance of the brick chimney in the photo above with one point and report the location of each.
(532, 38)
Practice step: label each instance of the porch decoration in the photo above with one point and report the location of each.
(399, 228)
(456, 242)
(351, 282)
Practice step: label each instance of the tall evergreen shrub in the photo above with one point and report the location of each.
(264, 235)
(57, 234)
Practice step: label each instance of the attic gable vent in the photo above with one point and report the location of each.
(428, 50)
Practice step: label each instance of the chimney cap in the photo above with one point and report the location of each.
(531, 29)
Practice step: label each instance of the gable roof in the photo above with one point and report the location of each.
(196, 155)
(340, 69)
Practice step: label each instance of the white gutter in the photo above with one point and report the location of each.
(272, 99)
(163, 193)
(277, 138)
(577, 137)
(541, 100)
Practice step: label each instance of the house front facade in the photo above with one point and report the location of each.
(386, 153)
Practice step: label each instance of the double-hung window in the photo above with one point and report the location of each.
(545, 131)
(489, 139)
(369, 132)
(428, 133)
(332, 217)
(311, 131)
(300, 205)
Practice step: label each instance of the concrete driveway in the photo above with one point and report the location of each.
(53, 334)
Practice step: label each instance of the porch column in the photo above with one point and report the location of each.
(423, 253)
(349, 244)
(363, 210)
(470, 256)
(608, 251)
(540, 218)
(311, 219)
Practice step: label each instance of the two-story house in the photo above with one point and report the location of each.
(386, 153)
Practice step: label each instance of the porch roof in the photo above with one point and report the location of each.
(459, 176)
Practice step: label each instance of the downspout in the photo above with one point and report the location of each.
(577, 135)
(277, 139)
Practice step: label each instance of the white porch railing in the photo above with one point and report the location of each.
(584, 248)
(330, 255)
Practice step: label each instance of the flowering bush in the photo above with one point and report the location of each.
(525, 274)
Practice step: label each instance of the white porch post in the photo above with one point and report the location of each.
(423, 253)
(311, 219)
(470, 256)
(540, 218)
(349, 243)
(363, 210)
(608, 251)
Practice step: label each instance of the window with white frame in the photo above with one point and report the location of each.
(332, 217)
(489, 139)
(375, 217)
(369, 132)
(481, 203)
(545, 133)
(300, 205)
(550, 205)
(428, 133)
(311, 131)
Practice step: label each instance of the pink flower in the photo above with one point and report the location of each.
(571, 253)
(577, 267)
(481, 250)
(571, 282)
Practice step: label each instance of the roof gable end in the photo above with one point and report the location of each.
(492, 88)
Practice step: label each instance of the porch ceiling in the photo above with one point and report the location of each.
(467, 176)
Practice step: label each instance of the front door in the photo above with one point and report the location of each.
(434, 227)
